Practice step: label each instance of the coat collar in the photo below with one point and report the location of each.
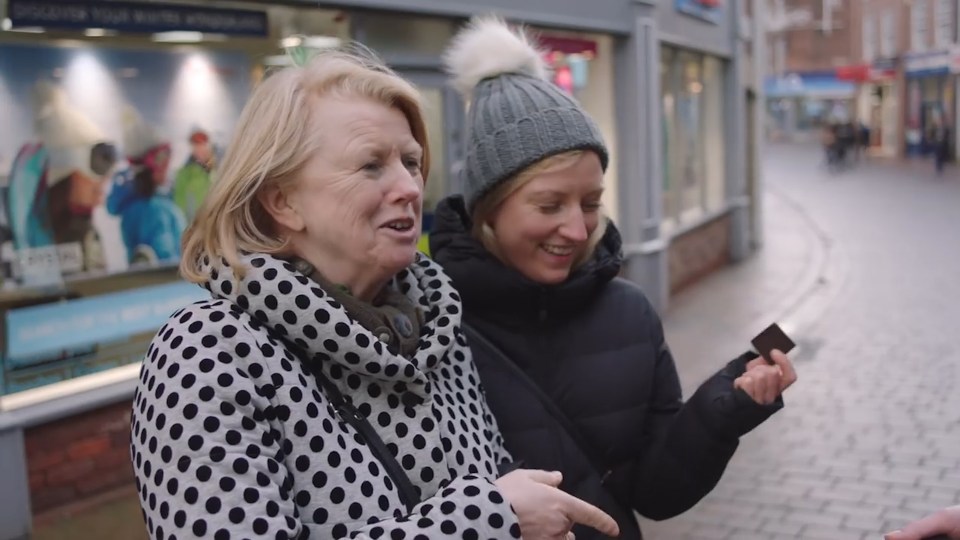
(298, 310)
(494, 291)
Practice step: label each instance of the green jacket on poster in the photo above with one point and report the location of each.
(190, 187)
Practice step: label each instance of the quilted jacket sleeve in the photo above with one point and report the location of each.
(688, 445)
(210, 461)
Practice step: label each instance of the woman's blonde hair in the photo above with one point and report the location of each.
(271, 144)
(487, 206)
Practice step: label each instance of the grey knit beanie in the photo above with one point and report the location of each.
(516, 116)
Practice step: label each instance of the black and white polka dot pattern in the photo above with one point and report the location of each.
(232, 437)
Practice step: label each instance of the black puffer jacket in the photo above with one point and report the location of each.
(595, 346)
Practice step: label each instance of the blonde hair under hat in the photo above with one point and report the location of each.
(66, 133)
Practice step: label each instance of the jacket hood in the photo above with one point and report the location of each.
(490, 288)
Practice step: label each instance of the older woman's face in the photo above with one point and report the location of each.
(359, 197)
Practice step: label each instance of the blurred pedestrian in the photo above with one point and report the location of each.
(940, 143)
(828, 140)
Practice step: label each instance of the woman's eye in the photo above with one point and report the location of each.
(591, 207)
(371, 167)
(412, 163)
(549, 208)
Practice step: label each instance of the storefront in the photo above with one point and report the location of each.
(930, 80)
(799, 104)
(194, 88)
(705, 205)
(878, 99)
(86, 79)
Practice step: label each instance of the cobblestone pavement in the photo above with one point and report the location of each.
(863, 267)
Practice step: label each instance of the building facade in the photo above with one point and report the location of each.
(930, 65)
(808, 41)
(675, 85)
(891, 64)
(879, 41)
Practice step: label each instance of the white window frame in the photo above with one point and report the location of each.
(943, 20)
(869, 38)
(919, 19)
(888, 34)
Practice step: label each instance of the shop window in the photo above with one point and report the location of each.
(669, 132)
(84, 113)
(395, 34)
(437, 183)
(694, 151)
(919, 23)
(888, 34)
(582, 64)
(869, 37)
(713, 131)
(690, 133)
(943, 22)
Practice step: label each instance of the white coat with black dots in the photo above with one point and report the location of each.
(233, 438)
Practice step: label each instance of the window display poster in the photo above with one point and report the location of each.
(106, 155)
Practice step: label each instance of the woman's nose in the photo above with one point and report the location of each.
(575, 227)
(406, 186)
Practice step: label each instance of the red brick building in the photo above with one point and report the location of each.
(900, 55)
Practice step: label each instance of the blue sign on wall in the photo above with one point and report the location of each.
(47, 329)
(131, 17)
(708, 10)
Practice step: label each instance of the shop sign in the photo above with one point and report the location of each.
(136, 17)
(862, 73)
(855, 73)
(922, 64)
(708, 10)
(39, 332)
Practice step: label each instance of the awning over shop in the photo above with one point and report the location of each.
(817, 86)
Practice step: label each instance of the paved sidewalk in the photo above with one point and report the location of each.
(714, 320)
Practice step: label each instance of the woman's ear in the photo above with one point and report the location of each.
(276, 203)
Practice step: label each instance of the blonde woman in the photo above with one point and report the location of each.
(325, 390)
(572, 358)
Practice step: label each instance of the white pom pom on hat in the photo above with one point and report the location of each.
(488, 47)
(516, 115)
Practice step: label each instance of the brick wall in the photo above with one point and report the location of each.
(79, 457)
(695, 254)
(811, 49)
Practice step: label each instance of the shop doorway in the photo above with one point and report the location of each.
(444, 116)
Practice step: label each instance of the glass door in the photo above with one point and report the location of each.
(443, 114)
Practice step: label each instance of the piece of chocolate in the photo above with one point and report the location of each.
(773, 337)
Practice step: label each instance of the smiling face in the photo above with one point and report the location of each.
(354, 210)
(543, 228)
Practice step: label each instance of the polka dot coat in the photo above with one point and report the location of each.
(233, 438)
